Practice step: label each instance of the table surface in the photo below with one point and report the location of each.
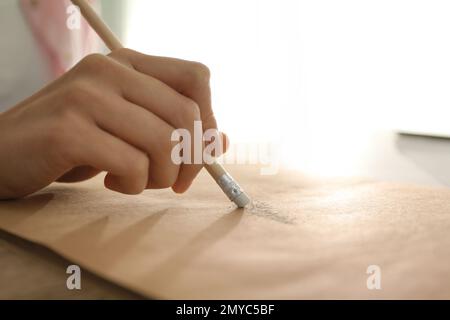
(34, 272)
(38, 273)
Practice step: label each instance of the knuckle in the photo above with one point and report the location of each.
(122, 52)
(76, 93)
(189, 113)
(91, 60)
(95, 63)
(201, 71)
(198, 73)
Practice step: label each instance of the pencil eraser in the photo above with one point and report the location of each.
(242, 200)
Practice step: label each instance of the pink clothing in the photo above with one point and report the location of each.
(49, 21)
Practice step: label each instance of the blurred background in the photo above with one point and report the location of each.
(329, 84)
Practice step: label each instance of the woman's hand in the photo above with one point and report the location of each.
(112, 113)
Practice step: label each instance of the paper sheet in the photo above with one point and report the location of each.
(303, 239)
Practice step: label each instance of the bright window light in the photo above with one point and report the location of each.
(315, 77)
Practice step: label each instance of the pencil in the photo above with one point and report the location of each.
(225, 181)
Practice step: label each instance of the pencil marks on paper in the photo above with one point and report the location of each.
(266, 211)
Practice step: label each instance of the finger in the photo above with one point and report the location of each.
(145, 131)
(192, 79)
(127, 166)
(225, 142)
(188, 173)
(221, 145)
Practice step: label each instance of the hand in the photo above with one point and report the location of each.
(112, 113)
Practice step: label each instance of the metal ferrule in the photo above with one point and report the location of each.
(229, 186)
